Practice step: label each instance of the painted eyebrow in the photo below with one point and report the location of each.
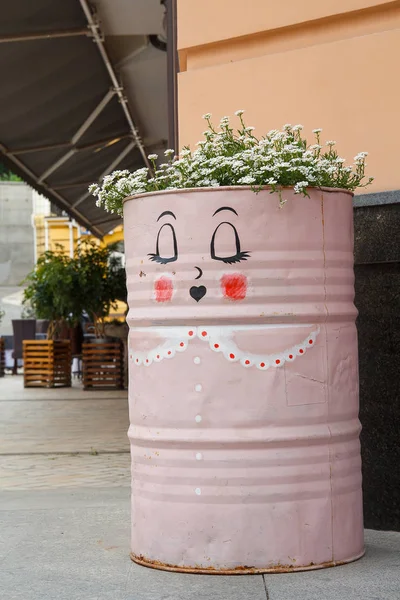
(166, 212)
(225, 208)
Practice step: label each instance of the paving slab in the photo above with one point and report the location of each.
(65, 420)
(74, 545)
(65, 515)
(374, 577)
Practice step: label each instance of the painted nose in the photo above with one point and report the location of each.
(198, 292)
(200, 272)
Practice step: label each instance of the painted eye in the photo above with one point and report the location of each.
(225, 244)
(166, 245)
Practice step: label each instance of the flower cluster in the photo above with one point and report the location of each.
(228, 157)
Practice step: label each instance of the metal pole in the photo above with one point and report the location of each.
(87, 123)
(172, 70)
(51, 35)
(112, 166)
(109, 220)
(56, 165)
(98, 143)
(94, 27)
(71, 240)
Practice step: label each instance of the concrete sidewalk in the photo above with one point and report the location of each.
(74, 545)
(65, 516)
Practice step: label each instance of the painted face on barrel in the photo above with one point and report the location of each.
(222, 246)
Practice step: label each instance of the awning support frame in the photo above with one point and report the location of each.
(99, 40)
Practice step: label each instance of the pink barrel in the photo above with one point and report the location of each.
(243, 373)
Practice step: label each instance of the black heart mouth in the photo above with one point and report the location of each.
(198, 293)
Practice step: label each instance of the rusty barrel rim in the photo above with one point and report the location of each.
(245, 570)
(233, 188)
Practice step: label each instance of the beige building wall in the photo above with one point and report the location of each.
(331, 64)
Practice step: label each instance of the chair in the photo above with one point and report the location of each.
(42, 326)
(23, 329)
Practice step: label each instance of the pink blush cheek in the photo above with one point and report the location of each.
(234, 286)
(163, 289)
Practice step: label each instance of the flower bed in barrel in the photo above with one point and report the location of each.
(242, 353)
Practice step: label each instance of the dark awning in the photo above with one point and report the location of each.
(64, 119)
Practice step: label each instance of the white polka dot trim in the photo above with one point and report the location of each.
(220, 340)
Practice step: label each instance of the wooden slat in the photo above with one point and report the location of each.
(102, 365)
(47, 363)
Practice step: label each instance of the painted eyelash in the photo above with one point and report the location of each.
(159, 259)
(235, 259)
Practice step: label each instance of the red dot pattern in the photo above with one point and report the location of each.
(232, 356)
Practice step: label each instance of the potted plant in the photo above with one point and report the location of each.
(52, 294)
(243, 353)
(102, 281)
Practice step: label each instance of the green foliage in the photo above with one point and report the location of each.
(61, 288)
(53, 290)
(102, 281)
(7, 175)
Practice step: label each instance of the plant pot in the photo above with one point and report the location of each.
(243, 381)
(120, 332)
(102, 365)
(47, 363)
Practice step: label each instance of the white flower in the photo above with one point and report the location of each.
(360, 157)
(279, 158)
(239, 113)
(316, 130)
(93, 189)
(330, 143)
(207, 116)
(247, 180)
(300, 186)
